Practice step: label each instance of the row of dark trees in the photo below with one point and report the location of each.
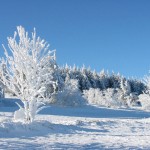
(103, 80)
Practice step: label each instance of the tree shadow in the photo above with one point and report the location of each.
(95, 112)
(29, 131)
(72, 146)
(18, 145)
(88, 111)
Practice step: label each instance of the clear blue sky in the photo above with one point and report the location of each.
(109, 34)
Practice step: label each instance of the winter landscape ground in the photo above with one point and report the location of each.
(86, 127)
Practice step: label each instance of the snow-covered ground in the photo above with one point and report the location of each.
(86, 127)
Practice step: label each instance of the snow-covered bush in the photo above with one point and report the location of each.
(19, 115)
(132, 100)
(108, 98)
(144, 99)
(29, 70)
(69, 96)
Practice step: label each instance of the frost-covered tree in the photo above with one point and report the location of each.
(115, 80)
(147, 82)
(144, 98)
(29, 71)
(125, 86)
(104, 79)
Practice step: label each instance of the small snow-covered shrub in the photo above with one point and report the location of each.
(19, 115)
(144, 99)
(108, 98)
(70, 96)
(132, 100)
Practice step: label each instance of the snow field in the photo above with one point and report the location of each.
(77, 128)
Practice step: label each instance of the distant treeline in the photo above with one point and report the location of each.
(91, 79)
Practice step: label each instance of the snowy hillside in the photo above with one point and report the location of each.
(86, 127)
